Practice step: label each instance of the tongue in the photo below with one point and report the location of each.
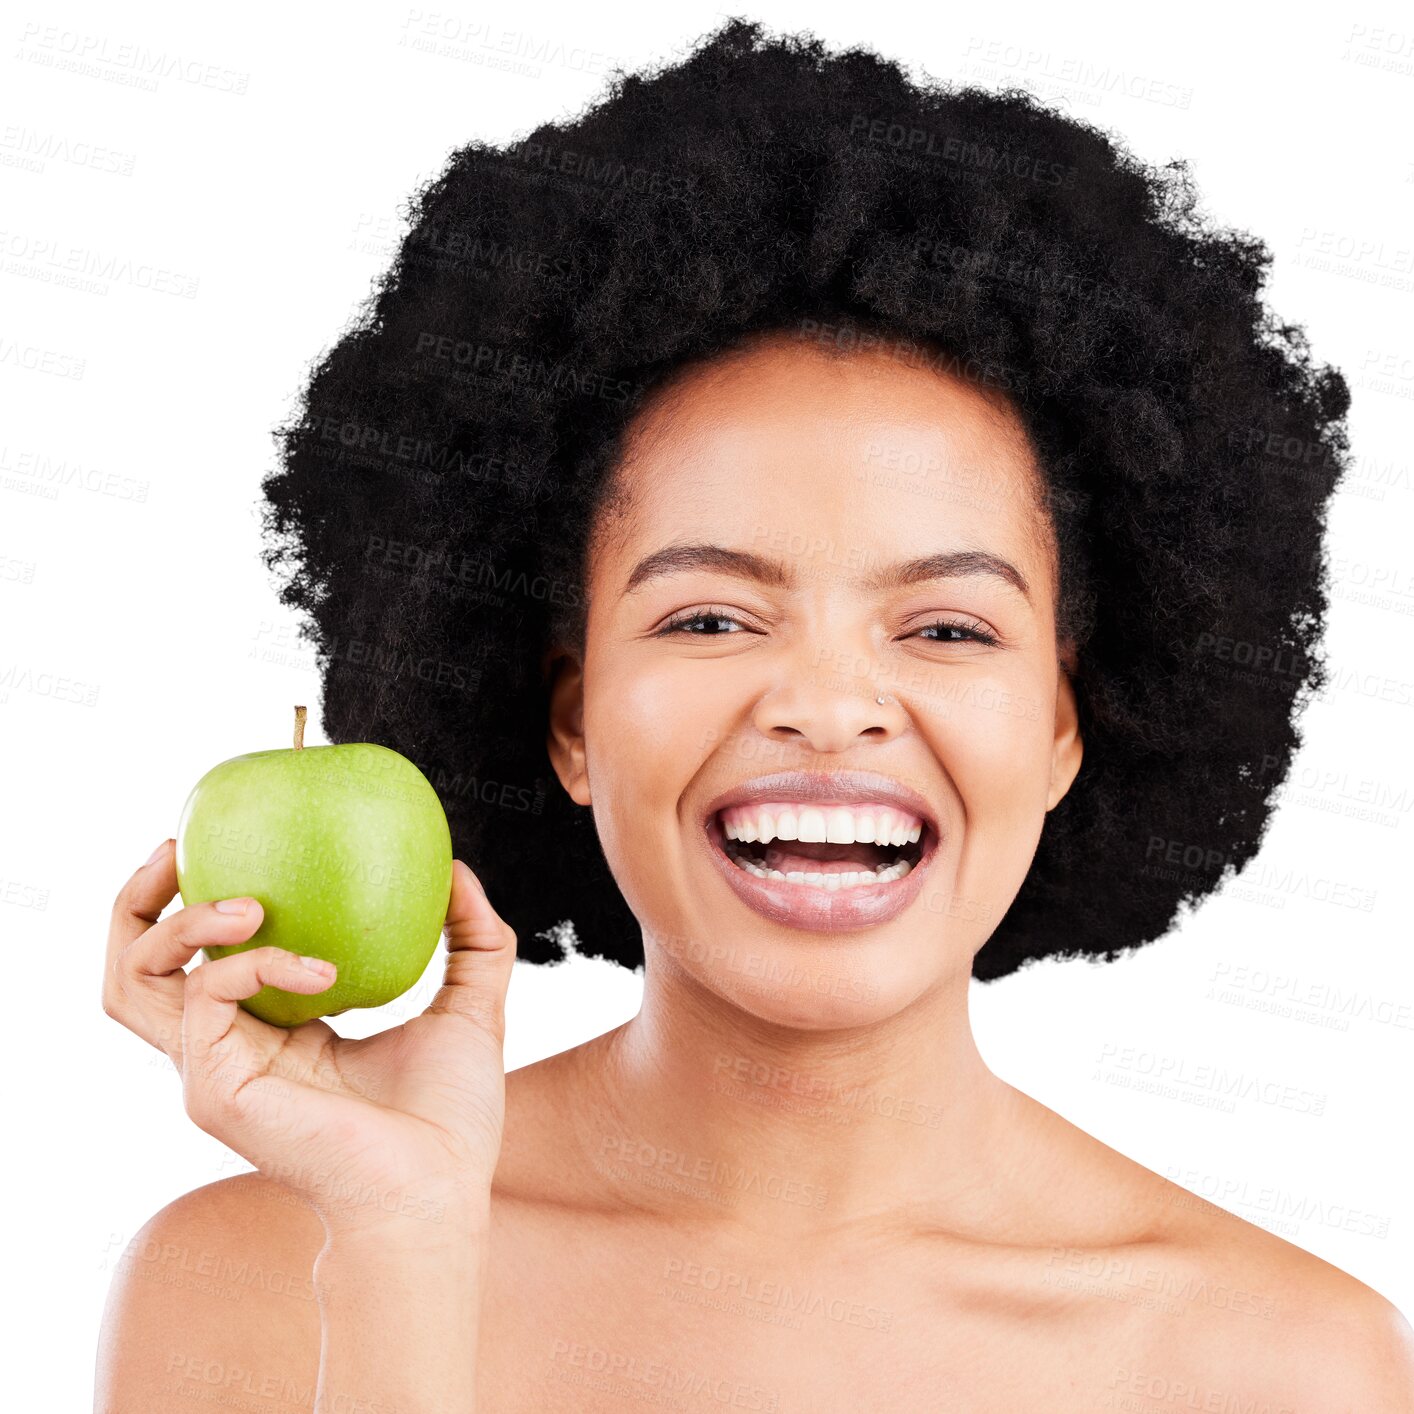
(817, 857)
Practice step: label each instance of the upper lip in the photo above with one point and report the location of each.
(833, 788)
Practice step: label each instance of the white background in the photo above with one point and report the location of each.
(142, 641)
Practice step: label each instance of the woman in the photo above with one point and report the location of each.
(848, 486)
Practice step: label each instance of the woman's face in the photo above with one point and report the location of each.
(812, 504)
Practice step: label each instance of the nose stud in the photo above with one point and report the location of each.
(880, 700)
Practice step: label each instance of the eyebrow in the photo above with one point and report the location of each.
(951, 564)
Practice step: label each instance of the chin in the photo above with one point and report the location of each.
(804, 988)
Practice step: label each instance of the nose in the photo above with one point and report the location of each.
(828, 715)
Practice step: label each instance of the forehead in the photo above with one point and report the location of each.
(797, 453)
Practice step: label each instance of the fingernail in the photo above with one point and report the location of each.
(152, 858)
(234, 905)
(317, 964)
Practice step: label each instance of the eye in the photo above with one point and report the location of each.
(959, 631)
(687, 623)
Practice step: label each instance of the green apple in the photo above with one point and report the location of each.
(347, 850)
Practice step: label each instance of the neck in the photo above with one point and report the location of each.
(707, 1108)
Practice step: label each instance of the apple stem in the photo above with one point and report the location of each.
(299, 728)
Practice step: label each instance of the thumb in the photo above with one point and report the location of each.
(481, 951)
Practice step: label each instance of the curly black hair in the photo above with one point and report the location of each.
(440, 482)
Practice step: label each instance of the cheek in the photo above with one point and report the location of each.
(653, 715)
(996, 749)
(998, 759)
(647, 734)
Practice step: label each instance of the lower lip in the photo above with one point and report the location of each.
(815, 909)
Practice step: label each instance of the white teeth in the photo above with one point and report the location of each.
(832, 824)
(883, 825)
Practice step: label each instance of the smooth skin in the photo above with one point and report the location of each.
(790, 1181)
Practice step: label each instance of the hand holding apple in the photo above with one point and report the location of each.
(375, 1133)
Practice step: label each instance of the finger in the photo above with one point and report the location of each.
(149, 971)
(481, 953)
(140, 901)
(210, 1016)
(136, 909)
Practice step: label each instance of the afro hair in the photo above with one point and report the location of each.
(439, 483)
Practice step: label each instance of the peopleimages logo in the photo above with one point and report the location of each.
(96, 55)
(982, 157)
(491, 361)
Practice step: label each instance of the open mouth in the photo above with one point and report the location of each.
(830, 848)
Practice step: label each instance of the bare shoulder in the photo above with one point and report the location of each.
(1201, 1300)
(215, 1294)
(1337, 1343)
(1267, 1320)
